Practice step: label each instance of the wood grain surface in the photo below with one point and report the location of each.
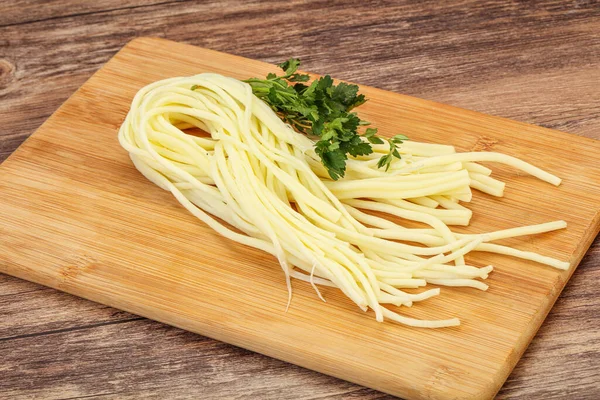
(535, 62)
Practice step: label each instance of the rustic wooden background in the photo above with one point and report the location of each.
(533, 61)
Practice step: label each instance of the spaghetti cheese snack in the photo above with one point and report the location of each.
(258, 182)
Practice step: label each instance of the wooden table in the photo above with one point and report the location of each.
(536, 62)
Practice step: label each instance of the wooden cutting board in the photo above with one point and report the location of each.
(75, 215)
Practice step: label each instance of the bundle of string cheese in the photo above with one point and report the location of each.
(266, 183)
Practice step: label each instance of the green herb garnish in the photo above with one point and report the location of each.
(323, 109)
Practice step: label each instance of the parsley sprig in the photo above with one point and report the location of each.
(323, 109)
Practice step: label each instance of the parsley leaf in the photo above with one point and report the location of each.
(334, 159)
(370, 135)
(386, 160)
(289, 67)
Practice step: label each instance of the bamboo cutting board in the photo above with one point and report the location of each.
(76, 215)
